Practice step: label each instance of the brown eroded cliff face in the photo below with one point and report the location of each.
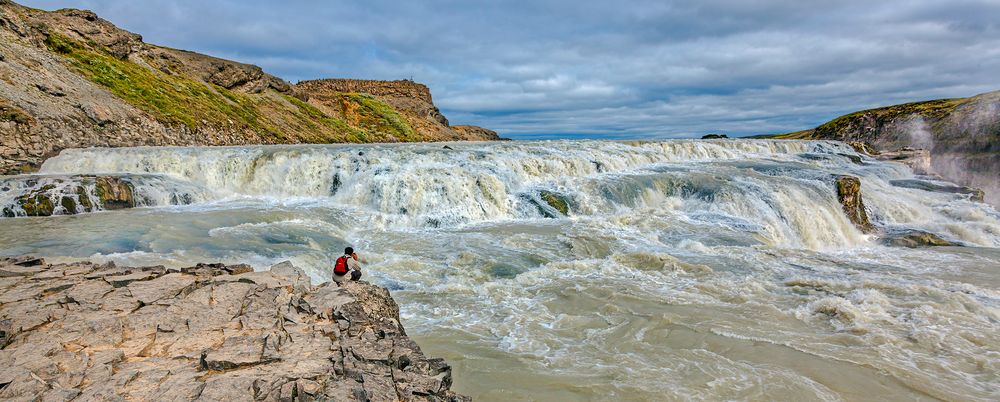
(70, 79)
(962, 136)
(412, 100)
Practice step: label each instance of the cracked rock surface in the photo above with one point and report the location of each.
(211, 332)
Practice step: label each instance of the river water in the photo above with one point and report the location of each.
(683, 270)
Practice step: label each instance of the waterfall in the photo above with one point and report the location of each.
(720, 261)
(778, 190)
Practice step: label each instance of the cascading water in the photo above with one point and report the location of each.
(579, 270)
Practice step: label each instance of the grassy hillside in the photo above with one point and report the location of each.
(962, 135)
(851, 125)
(180, 99)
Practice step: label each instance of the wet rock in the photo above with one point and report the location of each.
(974, 194)
(849, 195)
(505, 271)
(915, 239)
(208, 332)
(714, 136)
(853, 158)
(335, 183)
(68, 204)
(555, 200)
(84, 199)
(863, 148)
(114, 192)
(36, 204)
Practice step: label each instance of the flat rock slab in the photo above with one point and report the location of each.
(210, 332)
(122, 280)
(17, 270)
(236, 351)
(158, 288)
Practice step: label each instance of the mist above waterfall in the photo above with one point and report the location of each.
(918, 133)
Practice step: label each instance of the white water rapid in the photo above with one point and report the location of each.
(585, 270)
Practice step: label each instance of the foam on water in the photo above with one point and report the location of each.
(684, 270)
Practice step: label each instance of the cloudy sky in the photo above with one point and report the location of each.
(610, 69)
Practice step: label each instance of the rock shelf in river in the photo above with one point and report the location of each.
(207, 332)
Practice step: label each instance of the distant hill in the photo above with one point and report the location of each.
(71, 79)
(962, 135)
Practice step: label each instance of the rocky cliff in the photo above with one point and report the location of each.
(210, 332)
(962, 136)
(71, 79)
(412, 100)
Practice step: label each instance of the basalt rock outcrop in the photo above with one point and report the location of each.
(849, 195)
(915, 239)
(550, 204)
(210, 332)
(960, 138)
(69, 79)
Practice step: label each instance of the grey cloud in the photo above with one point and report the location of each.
(605, 69)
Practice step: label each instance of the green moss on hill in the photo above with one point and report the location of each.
(170, 98)
(798, 135)
(183, 100)
(313, 118)
(376, 116)
(931, 110)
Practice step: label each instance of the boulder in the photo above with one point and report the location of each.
(36, 204)
(114, 192)
(849, 195)
(68, 195)
(862, 147)
(557, 201)
(915, 239)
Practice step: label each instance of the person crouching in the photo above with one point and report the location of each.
(347, 267)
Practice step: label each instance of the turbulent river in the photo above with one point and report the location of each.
(681, 270)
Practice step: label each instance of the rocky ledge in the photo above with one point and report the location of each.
(83, 331)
